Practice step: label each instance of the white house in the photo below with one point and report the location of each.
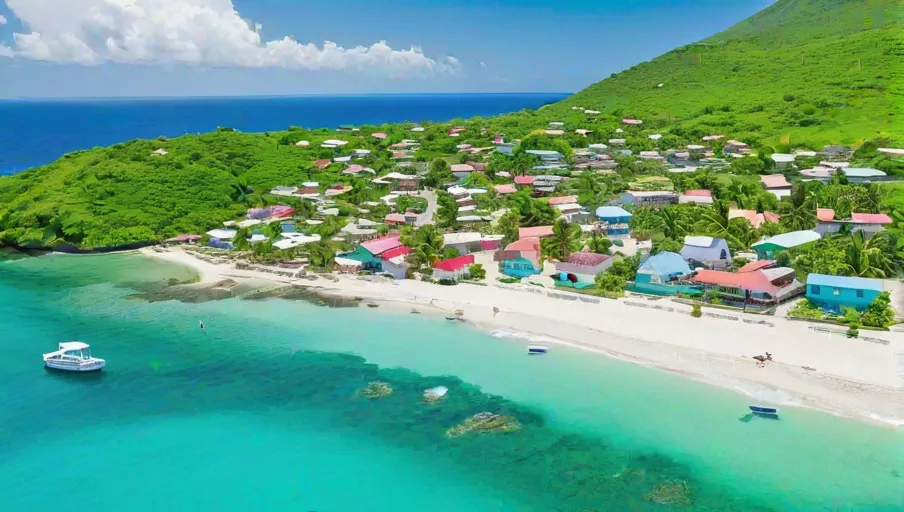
(706, 251)
(454, 268)
(583, 267)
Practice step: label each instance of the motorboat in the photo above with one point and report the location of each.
(536, 349)
(761, 410)
(73, 356)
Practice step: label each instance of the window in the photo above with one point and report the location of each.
(859, 294)
(814, 289)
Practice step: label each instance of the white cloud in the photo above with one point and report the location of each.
(483, 65)
(2, 19)
(196, 32)
(6, 51)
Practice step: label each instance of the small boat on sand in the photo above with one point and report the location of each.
(73, 356)
(761, 410)
(536, 350)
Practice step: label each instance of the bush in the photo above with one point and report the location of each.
(477, 272)
(879, 312)
(509, 280)
(447, 282)
(696, 311)
(853, 332)
(788, 97)
(806, 310)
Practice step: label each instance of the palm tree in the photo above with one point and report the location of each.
(868, 257)
(742, 234)
(673, 223)
(240, 191)
(428, 245)
(565, 240)
(801, 217)
(321, 254)
(240, 240)
(714, 221)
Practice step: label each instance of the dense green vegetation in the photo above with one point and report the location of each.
(798, 75)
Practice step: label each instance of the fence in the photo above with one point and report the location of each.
(843, 332)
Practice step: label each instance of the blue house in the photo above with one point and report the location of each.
(831, 293)
(616, 220)
(656, 275)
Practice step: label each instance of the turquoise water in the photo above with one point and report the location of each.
(260, 411)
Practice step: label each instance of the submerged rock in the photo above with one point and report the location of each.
(673, 492)
(376, 390)
(436, 394)
(485, 422)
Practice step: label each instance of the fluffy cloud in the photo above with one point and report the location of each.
(196, 32)
(2, 20)
(483, 65)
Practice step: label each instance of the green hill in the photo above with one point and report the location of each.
(802, 73)
(808, 71)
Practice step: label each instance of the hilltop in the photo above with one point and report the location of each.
(800, 74)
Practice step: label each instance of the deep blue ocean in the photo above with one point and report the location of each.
(36, 132)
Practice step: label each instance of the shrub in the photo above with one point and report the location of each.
(696, 311)
(806, 310)
(477, 272)
(447, 282)
(879, 312)
(788, 97)
(853, 332)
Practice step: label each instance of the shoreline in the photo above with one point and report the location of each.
(853, 378)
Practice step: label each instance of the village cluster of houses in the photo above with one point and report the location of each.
(699, 268)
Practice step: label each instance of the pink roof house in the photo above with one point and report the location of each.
(535, 232)
(774, 181)
(866, 222)
(521, 258)
(378, 246)
(553, 201)
(755, 219)
(378, 135)
(506, 189)
(524, 180)
(583, 267)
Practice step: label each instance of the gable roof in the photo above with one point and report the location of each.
(871, 218)
(857, 283)
(666, 264)
(507, 188)
(321, 164)
(398, 251)
(461, 168)
(611, 211)
(754, 281)
(789, 240)
(536, 231)
(698, 193)
(453, 264)
(756, 265)
(775, 181)
(524, 244)
(524, 180)
(588, 259)
(378, 246)
(562, 200)
(702, 241)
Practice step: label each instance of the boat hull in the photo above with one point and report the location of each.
(765, 411)
(94, 366)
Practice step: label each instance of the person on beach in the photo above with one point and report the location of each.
(495, 310)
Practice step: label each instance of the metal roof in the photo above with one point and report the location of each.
(861, 283)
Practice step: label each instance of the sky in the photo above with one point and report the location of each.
(139, 48)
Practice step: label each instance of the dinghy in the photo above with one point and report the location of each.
(762, 410)
(536, 350)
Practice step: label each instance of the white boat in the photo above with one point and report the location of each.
(73, 356)
(537, 349)
(436, 393)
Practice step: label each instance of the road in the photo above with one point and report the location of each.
(427, 217)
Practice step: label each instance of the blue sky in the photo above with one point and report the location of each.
(75, 48)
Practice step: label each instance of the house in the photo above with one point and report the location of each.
(869, 223)
(378, 135)
(557, 200)
(761, 287)
(504, 190)
(757, 265)
(546, 156)
(520, 258)
(583, 267)
(831, 293)
(777, 184)
(455, 268)
(706, 251)
(767, 248)
(782, 160)
(322, 163)
(615, 221)
(291, 240)
(734, 147)
(461, 170)
(756, 219)
(862, 174)
(369, 252)
(696, 196)
(649, 198)
(657, 275)
(395, 263)
(632, 122)
(464, 243)
(535, 232)
(524, 181)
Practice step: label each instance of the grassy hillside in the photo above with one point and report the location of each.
(801, 71)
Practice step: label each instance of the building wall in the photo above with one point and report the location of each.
(399, 271)
(584, 274)
(453, 275)
(519, 268)
(369, 261)
(833, 299)
(706, 254)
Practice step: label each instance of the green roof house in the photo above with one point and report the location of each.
(767, 248)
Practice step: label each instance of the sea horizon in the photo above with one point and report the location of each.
(45, 129)
(266, 401)
(51, 99)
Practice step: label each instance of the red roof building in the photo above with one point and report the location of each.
(756, 265)
(871, 218)
(773, 181)
(321, 164)
(378, 246)
(524, 180)
(553, 201)
(398, 251)
(378, 135)
(535, 232)
(505, 189)
(698, 193)
(454, 268)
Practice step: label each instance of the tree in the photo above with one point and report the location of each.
(879, 312)
(667, 245)
(240, 239)
(477, 272)
(867, 257)
(742, 235)
(321, 254)
(438, 174)
(447, 211)
(609, 282)
(672, 223)
(714, 221)
(508, 226)
(240, 191)
(599, 244)
(696, 311)
(565, 240)
(427, 243)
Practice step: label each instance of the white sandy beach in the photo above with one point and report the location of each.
(853, 378)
